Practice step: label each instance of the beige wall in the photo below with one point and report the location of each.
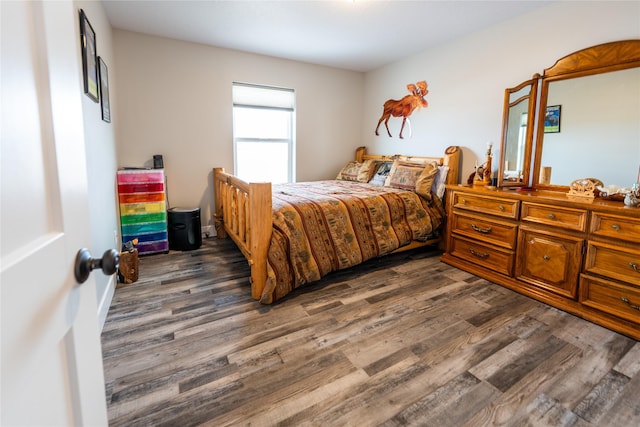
(467, 77)
(175, 100)
(175, 97)
(100, 151)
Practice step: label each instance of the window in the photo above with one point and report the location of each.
(263, 129)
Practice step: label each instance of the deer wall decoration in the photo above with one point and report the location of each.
(405, 106)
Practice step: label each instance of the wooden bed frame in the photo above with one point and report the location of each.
(243, 211)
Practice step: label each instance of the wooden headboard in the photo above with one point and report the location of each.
(451, 158)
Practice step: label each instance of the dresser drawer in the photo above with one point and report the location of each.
(491, 205)
(567, 218)
(499, 233)
(613, 298)
(614, 261)
(549, 261)
(493, 258)
(616, 227)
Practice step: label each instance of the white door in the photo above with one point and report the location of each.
(51, 358)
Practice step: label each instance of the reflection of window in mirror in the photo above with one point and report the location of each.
(522, 136)
(514, 153)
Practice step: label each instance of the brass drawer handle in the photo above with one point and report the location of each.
(626, 301)
(615, 227)
(481, 230)
(634, 266)
(501, 208)
(551, 216)
(546, 257)
(478, 254)
(464, 201)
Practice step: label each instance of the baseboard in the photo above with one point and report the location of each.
(105, 302)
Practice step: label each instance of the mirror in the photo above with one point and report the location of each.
(589, 118)
(517, 134)
(605, 129)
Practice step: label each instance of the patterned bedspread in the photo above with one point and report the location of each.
(323, 226)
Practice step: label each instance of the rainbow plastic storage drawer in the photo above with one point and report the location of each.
(143, 209)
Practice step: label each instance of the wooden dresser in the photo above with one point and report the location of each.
(579, 255)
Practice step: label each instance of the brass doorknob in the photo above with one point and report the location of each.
(85, 264)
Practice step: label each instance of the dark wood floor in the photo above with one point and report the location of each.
(401, 340)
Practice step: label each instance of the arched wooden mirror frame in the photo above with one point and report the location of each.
(602, 58)
(511, 129)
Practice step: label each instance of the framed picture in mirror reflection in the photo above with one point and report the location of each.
(552, 119)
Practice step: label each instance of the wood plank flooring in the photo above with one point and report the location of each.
(400, 340)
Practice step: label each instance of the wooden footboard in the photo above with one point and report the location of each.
(243, 211)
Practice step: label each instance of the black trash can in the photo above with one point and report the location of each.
(184, 229)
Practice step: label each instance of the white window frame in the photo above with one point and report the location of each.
(283, 99)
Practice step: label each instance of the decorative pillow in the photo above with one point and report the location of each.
(426, 179)
(381, 173)
(440, 181)
(355, 171)
(412, 176)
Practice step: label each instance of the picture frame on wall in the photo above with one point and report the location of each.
(89, 57)
(104, 90)
(552, 119)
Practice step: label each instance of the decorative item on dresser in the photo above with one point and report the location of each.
(584, 187)
(558, 242)
(293, 234)
(483, 172)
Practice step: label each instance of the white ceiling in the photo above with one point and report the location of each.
(359, 35)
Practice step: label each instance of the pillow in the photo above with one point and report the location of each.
(440, 181)
(412, 176)
(381, 173)
(426, 179)
(354, 171)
